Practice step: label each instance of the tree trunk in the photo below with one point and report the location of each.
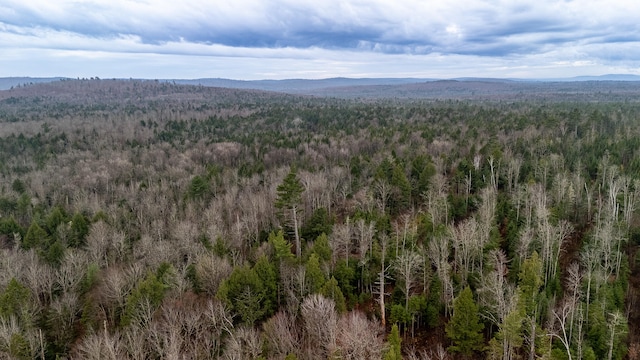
(532, 343)
(613, 332)
(295, 231)
(381, 298)
(383, 318)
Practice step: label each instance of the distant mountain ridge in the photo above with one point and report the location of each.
(608, 77)
(9, 82)
(309, 85)
(601, 88)
(298, 85)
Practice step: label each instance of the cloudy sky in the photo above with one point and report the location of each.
(277, 39)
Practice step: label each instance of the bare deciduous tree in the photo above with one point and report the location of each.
(437, 353)
(294, 286)
(364, 235)
(573, 285)
(320, 326)
(358, 338)
(11, 265)
(486, 214)
(135, 343)
(616, 322)
(220, 322)
(182, 330)
(99, 346)
(382, 276)
(382, 192)
(72, 270)
(100, 240)
(243, 343)
(39, 277)
(436, 200)
(439, 256)
(467, 246)
(525, 239)
(281, 335)
(514, 164)
(561, 316)
(497, 295)
(340, 240)
(407, 267)
(63, 315)
(211, 270)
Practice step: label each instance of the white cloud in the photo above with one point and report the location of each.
(282, 38)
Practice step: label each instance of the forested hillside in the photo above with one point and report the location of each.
(148, 220)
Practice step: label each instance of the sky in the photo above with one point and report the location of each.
(284, 39)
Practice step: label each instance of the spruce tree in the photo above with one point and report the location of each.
(331, 290)
(288, 201)
(394, 351)
(36, 237)
(281, 248)
(314, 276)
(79, 230)
(464, 328)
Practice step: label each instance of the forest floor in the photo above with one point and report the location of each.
(426, 339)
(570, 252)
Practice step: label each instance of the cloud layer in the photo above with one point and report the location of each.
(285, 38)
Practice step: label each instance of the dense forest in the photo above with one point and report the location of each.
(149, 220)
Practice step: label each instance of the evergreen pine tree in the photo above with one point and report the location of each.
(35, 237)
(332, 291)
(394, 352)
(288, 201)
(464, 328)
(315, 278)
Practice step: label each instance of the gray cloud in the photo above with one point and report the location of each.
(502, 33)
(331, 24)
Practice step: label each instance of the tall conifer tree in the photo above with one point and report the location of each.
(465, 329)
